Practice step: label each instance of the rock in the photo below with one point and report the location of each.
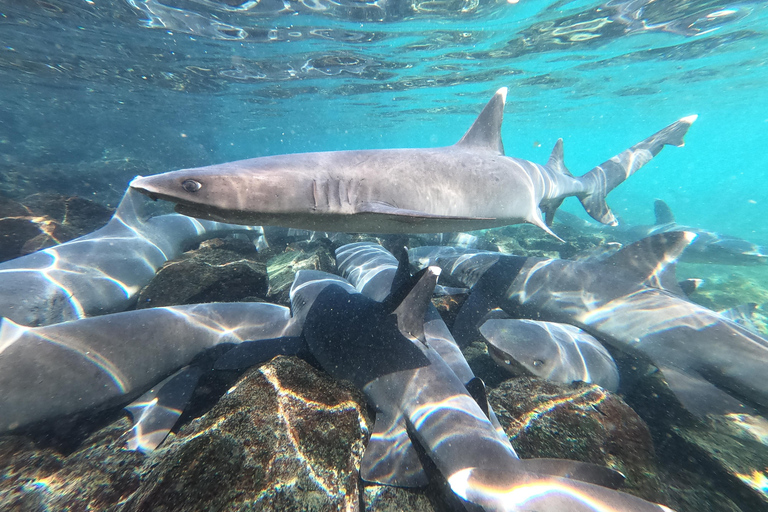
(281, 269)
(81, 215)
(46, 220)
(50, 233)
(11, 208)
(581, 422)
(14, 233)
(95, 477)
(380, 498)
(213, 273)
(284, 438)
(717, 463)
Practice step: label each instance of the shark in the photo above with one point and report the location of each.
(66, 368)
(101, 272)
(375, 272)
(379, 347)
(549, 350)
(467, 186)
(709, 246)
(630, 301)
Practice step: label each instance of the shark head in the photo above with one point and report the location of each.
(232, 191)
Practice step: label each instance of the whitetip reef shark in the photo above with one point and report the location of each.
(549, 350)
(73, 366)
(467, 186)
(101, 272)
(379, 346)
(631, 301)
(708, 247)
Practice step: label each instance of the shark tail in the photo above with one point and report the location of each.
(599, 182)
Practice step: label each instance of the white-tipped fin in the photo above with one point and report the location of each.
(485, 132)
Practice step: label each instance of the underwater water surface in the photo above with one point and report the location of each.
(93, 93)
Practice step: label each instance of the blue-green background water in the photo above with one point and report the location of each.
(88, 84)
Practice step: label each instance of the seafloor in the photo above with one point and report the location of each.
(284, 436)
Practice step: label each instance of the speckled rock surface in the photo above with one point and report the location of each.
(713, 463)
(218, 271)
(284, 438)
(581, 422)
(282, 268)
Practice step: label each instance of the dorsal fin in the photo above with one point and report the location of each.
(10, 332)
(476, 389)
(690, 285)
(413, 308)
(485, 132)
(652, 260)
(403, 272)
(744, 315)
(663, 212)
(556, 160)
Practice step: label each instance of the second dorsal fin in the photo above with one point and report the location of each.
(485, 132)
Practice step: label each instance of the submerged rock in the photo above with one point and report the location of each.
(717, 463)
(219, 271)
(317, 255)
(45, 220)
(284, 438)
(82, 215)
(581, 422)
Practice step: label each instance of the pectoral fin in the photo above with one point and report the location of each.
(390, 458)
(405, 215)
(156, 411)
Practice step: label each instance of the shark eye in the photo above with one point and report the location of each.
(538, 362)
(191, 185)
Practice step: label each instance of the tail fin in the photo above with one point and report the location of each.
(602, 179)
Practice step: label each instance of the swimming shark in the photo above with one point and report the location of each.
(631, 301)
(467, 186)
(379, 347)
(101, 272)
(549, 350)
(708, 247)
(73, 366)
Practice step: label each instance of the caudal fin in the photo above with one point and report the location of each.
(599, 182)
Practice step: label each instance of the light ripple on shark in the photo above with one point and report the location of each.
(70, 367)
(101, 272)
(379, 346)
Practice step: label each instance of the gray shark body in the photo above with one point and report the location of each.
(101, 272)
(379, 347)
(73, 366)
(631, 301)
(708, 247)
(470, 185)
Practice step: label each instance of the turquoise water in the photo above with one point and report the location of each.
(185, 83)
